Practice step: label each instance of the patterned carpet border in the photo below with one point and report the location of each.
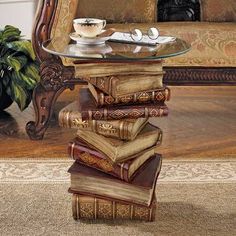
(55, 171)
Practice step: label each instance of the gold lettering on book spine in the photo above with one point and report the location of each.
(144, 97)
(107, 128)
(126, 99)
(80, 124)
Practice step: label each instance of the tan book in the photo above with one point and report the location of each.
(119, 150)
(125, 129)
(93, 208)
(140, 190)
(120, 85)
(104, 68)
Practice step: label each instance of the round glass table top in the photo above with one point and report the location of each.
(65, 47)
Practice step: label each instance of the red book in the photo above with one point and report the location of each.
(90, 111)
(143, 97)
(81, 152)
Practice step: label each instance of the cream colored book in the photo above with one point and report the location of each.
(121, 85)
(119, 150)
(125, 129)
(104, 68)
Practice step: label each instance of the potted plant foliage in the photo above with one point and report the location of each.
(19, 72)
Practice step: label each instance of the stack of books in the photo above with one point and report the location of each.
(116, 164)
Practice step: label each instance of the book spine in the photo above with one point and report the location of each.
(98, 161)
(116, 129)
(105, 84)
(92, 208)
(114, 113)
(71, 119)
(161, 95)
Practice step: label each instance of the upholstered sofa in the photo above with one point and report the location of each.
(208, 25)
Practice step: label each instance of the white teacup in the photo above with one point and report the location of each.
(88, 27)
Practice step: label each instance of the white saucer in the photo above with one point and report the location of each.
(89, 41)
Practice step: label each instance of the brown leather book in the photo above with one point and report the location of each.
(158, 95)
(125, 129)
(140, 190)
(79, 151)
(90, 111)
(93, 208)
(120, 85)
(118, 150)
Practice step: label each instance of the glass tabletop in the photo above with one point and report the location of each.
(64, 46)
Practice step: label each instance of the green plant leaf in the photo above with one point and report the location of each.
(23, 80)
(6, 78)
(15, 61)
(32, 71)
(10, 33)
(20, 95)
(23, 46)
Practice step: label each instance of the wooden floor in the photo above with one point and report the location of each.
(201, 124)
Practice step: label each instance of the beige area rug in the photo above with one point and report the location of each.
(195, 198)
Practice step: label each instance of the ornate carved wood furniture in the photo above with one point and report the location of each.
(211, 61)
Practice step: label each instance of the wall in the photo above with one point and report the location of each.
(19, 13)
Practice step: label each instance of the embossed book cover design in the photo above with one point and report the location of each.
(93, 208)
(158, 95)
(125, 129)
(79, 151)
(90, 111)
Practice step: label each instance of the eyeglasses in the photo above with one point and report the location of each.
(137, 34)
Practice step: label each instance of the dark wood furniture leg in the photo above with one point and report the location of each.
(43, 101)
(55, 78)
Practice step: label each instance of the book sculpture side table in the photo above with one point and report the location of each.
(67, 65)
(115, 150)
